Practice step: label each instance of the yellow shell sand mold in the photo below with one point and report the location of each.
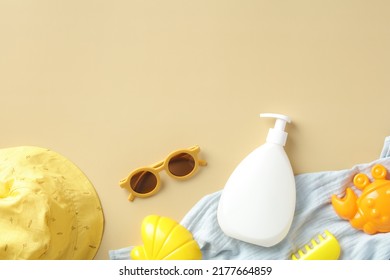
(49, 209)
(165, 239)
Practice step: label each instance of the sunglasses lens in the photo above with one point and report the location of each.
(143, 182)
(181, 165)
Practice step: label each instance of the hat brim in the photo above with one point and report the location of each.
(51, 211)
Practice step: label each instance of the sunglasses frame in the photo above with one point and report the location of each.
(157, 167)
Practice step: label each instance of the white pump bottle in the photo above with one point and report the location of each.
(258, 201)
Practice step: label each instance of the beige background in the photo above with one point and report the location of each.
(114, 85)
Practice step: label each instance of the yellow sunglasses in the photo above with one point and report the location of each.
(145, 181)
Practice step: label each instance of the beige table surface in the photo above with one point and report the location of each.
(114, 85)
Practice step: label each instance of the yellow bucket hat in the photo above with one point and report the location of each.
(48, 207)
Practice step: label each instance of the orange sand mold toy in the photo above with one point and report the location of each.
(371, 211)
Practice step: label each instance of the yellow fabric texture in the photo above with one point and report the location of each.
(48, 207)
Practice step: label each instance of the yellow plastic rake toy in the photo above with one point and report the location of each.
(145, 181)
(165, 239)
(325, 248)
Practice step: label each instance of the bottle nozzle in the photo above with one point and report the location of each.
(277, 134)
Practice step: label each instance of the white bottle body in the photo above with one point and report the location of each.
(257, 204)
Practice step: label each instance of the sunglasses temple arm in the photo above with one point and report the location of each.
(124, 184)
(202, 162)
(131, 197)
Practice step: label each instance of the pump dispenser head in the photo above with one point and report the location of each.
(277, 135)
